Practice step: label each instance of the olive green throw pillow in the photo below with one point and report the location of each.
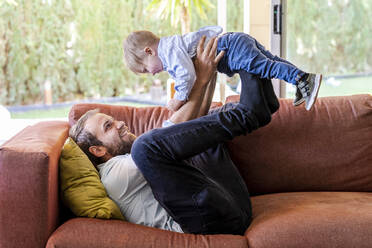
(82, 189)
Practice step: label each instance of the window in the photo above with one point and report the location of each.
(332, 37)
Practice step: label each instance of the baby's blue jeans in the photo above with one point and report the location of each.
(243, 52)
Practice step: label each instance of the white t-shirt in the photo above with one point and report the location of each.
(127, 187)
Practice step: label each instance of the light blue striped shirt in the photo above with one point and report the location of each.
(176, 52)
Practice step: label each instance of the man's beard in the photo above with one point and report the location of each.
(123, 147)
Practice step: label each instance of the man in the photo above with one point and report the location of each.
(181, 177)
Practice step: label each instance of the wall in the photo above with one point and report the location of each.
(260, 21)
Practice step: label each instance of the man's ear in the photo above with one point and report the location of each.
(148, 50)
(98, 151)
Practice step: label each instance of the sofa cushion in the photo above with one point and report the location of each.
(311, 219)
(82, 190)
(326, 149)
(94, 233)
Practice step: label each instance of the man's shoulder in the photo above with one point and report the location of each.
(118, 168)
(125, 159)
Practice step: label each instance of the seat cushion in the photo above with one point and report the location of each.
(96, 233)
(311, 219)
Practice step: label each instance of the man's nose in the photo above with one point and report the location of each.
(119, 124)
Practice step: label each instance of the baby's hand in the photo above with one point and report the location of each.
(175, 104)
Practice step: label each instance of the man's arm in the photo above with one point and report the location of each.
(208, 96)
(201, 94)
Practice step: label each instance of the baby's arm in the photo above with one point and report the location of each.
(175, 104)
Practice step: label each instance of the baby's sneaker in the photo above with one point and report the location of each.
(299, 99)
(310, 88)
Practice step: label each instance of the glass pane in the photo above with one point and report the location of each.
(332, 37)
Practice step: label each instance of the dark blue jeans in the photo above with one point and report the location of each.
(189, 168)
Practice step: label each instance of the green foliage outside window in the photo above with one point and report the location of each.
(330, 36)
(76, 45)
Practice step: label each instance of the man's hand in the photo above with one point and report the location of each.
(206, 60)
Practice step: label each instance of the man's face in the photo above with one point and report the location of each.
(114, 135)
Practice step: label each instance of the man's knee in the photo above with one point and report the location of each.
(253, 96)
(274, 106)
(143, 148)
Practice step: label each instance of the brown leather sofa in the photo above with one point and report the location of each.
(309, 173)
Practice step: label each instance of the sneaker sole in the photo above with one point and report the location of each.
(313, 97)
(299, 102)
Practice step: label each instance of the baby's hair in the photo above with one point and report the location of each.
(134, 46)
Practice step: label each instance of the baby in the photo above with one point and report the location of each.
(144, 52)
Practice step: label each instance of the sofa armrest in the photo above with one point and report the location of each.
(29, 184)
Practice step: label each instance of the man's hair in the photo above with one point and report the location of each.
(134, 46)
(85, 139)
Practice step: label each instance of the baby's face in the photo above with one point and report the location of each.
(152, 64)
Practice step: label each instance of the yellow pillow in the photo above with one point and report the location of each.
(82, 189)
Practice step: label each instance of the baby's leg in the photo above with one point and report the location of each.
(255, 59)
(269, 55)
(268, 68)
(307, 85)
(299, 98)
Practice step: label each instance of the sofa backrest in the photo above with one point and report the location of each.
(326, 149)
(138, 120)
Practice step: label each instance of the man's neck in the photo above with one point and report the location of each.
(107, 157)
